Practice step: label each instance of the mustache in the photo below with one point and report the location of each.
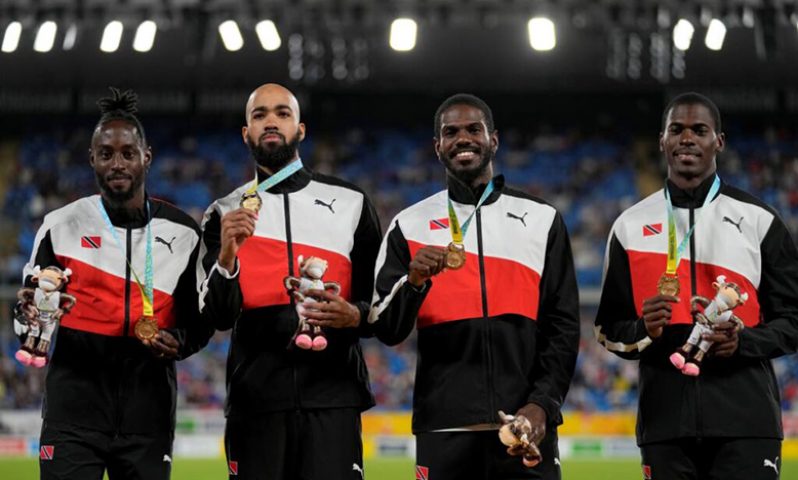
(271, 132)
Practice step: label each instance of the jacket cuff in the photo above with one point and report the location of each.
(224, 272)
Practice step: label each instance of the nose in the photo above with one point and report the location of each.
(687, 137)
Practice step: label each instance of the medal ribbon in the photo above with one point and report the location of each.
(278, 177)
(459, 232)
(675, 253)
(146, 288)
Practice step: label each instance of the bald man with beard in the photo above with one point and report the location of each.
(291, 412)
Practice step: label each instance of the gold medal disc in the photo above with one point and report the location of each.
(668, 285)
(251, 201)
(455, 256)
(146, 328)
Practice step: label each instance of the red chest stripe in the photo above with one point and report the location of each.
(647, 267)
(512, 288)
(101, 300)
(264, 266)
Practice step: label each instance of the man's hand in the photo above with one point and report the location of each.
(725, 339)
(237, 226)
(428, 262)
(163, 345)
(531, 421)
(657, 313)
(333, 311)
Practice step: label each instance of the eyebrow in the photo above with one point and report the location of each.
(263, 108)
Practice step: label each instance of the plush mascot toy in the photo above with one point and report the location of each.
(44, 307)
(311, 269)
(727, 298)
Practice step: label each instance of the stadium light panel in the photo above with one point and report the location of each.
(683, 34)
(231, 35)
(70, 36)
(268, 35)
(716, 33)
(11, 37)
(403, 34)
(145, 36)
(112, 36)
(45, 37)
(542, 34)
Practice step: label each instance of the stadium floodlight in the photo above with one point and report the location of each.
(112, 36)
(268, 35)
(45, 37)
(403, 34)
(542, 34)
(70, 36)
(145, 36)
(683, 34)
(716, 33)
(11, 37)
(231, 35)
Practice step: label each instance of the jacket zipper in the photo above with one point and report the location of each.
(694, 292)
(129, 257)
(487, 331)
(290, 248)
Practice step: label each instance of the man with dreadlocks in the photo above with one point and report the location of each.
(110, 389)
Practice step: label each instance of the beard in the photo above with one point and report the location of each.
(468, 175)
(273, 158)
(119, 197)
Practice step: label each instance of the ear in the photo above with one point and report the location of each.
(301, 131)
(437, 147)
(743, 298)
(244, 132)
(494, 140)
(661, 142)
(147, 158)
(720, 142)
(67, 272)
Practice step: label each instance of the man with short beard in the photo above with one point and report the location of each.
(110, 390)
(485, 273)
(291, 412)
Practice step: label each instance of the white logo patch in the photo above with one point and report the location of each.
(768, 463)
(356, 468)
(167, 458)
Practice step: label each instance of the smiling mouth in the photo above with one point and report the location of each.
(465, 155)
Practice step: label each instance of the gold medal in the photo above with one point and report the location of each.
(251, 201)
(455, 256)
(146, 328)
(668, 285)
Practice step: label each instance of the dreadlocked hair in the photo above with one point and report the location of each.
(121, 106)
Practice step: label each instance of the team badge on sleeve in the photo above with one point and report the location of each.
(232, 468)
(439, 224)
(647, 472)
(91, 241)
(652, 229)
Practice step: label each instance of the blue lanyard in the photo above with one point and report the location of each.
(458, 231)
(674, 253)
(278, 177)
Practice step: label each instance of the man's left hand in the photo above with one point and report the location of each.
(163, 345)
(333, 311)
(725, 339)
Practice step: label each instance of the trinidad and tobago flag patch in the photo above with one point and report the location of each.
(46, 452)
(422, 473)
(91, 241)
(647, 472)
(439, 224)
(232, 468)
(652, 229)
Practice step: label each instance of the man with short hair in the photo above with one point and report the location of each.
(293, 408)
(485, 273)
(110, 391)
(704, 413)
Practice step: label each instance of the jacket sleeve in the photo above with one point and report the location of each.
(777, 332)
(558, 324)
(220, 297)
(618, 327)
(396, 302)
(191, 330)
(364, 255)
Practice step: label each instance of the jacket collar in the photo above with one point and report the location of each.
(297, 181)
(691, 198)
(462, 193)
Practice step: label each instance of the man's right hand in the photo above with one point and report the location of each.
(237, 226)
(428, 262)
(657, 313)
